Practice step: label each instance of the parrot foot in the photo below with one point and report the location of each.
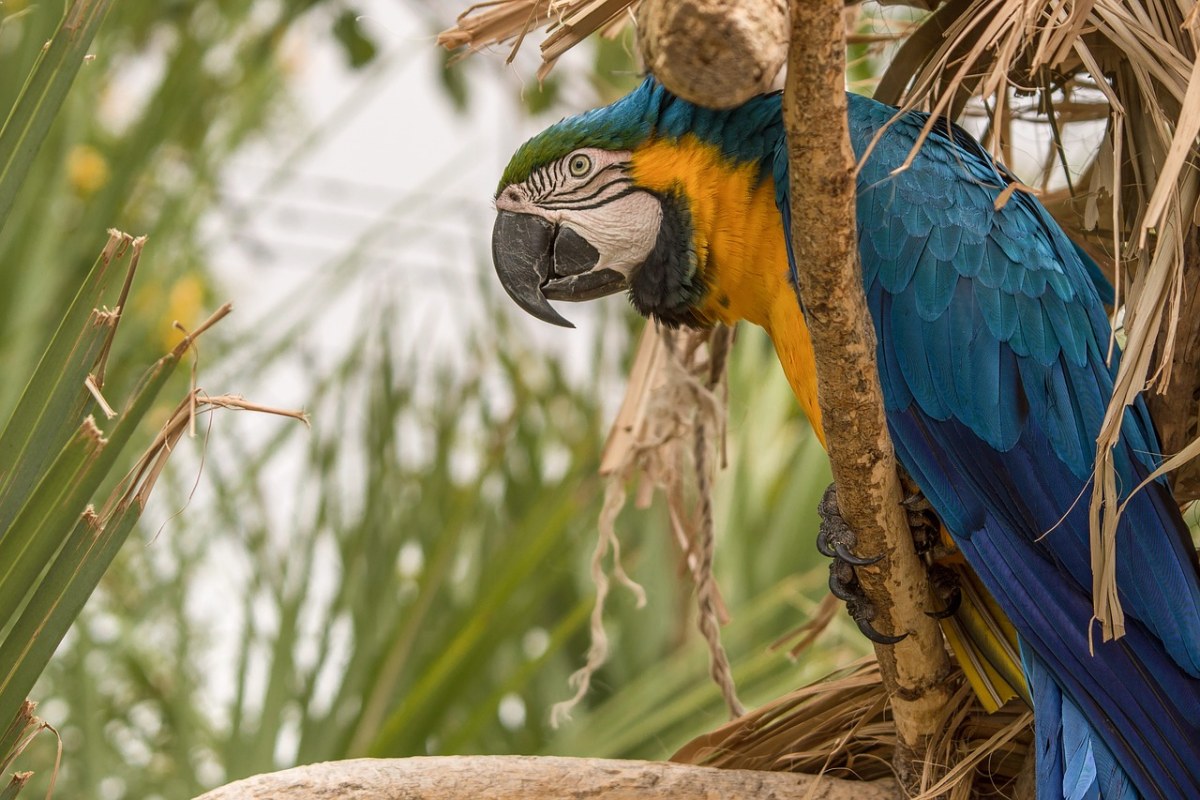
(945, 584)
(835, 541)
(915, 500)
(835, 537)
(925, 528)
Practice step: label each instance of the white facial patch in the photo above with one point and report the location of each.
(623, 230)
(591, 192)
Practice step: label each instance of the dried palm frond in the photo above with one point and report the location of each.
(568, 22)
(668, 433)
(842, 727)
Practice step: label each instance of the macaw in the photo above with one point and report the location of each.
(992, 341)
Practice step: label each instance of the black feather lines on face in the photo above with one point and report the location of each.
(668, 285)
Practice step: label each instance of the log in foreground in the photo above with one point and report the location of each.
(532, 777)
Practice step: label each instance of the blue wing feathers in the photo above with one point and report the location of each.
(995, 384)
(937, 335)
(912, 355)
(994, 268)
(1139, 705)
(1068, 326)
(992, 339)
(916, 223)
(969, 346)
(1032, 337)
(1014, 249)
(1033, 281)
(1051, 401)
(944, 239)
(935, 282)
(998, 309)
(1048, 732)
(971, 254)
(890, 371)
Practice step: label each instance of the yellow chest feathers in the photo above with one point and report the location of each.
(739, 240)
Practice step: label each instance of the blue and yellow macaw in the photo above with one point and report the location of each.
(992, 338)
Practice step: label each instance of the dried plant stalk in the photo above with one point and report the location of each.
(568, 22)
(670, 425)
(843, 726)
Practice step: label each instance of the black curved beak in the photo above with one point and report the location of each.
(537, 260)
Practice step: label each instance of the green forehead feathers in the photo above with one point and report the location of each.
(621, 126)
(749, 133)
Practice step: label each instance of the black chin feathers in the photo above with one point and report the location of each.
(668, 285)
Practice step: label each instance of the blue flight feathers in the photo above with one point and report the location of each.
(995, 390)
(992, 336)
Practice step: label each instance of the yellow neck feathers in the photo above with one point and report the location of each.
(739, 241)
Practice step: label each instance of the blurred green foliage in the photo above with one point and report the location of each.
(424, 589)
(173, 88)
(411, 576)
(65, 509)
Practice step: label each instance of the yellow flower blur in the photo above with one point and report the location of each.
(87, 169)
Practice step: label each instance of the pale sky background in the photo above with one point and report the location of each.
(391, 156)
(382, 154)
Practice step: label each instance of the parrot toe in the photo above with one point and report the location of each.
(835, 541)
(946, 585)
(875, 636)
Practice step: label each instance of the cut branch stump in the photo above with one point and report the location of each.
(712, 52)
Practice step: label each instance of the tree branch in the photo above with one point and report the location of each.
(864, 466)
(533, 777)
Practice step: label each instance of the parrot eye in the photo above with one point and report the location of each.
(579, 165)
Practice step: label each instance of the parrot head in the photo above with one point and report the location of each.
(610, 201)
(575, 227)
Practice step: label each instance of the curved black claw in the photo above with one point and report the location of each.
(876, 636)
(945, 584)
(823, 541)
(835, 537)
(843, 552)
(844, 586)
(952, 605)
(834, 541)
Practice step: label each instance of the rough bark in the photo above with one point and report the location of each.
(532, 777)
(864, 466)
(713, 52)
